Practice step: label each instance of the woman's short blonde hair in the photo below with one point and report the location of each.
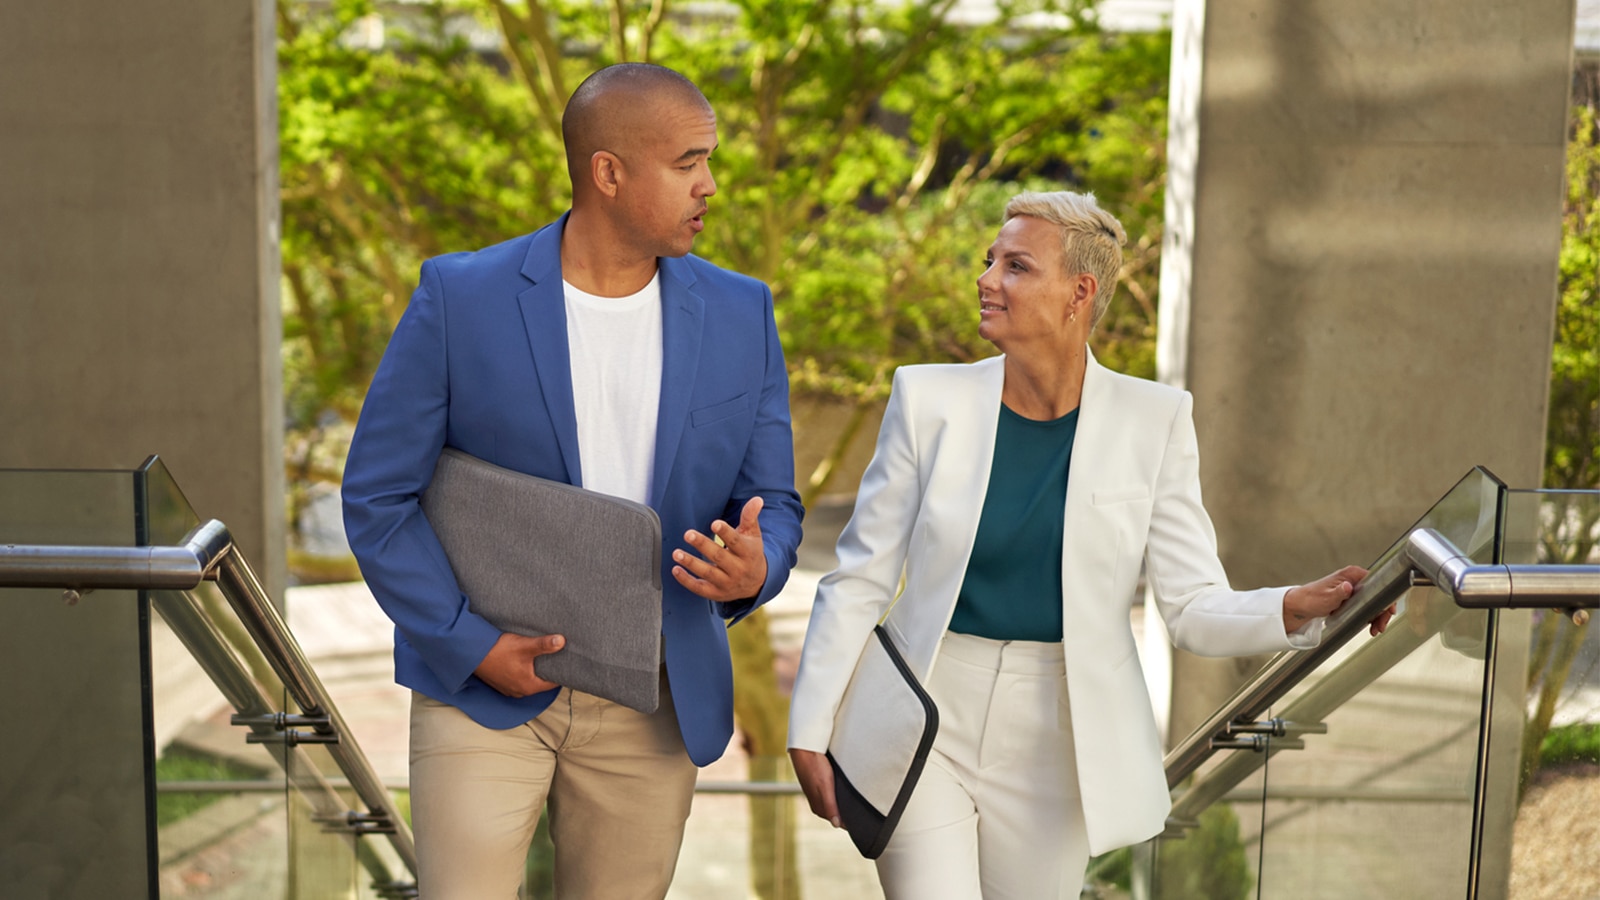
(1091, 238)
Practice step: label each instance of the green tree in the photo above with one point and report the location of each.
(386, 158)
(1572, 445)
(1572, 442)
(866, 151)
(1208, 861)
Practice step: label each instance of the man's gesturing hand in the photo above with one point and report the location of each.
(509, 666)
(732, 571)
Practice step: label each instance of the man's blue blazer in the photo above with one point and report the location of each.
(479, 362)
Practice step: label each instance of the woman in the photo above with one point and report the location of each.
(1019, 495)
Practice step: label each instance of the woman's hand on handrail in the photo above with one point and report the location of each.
(1324, 597)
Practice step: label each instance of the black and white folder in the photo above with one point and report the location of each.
(882, 734)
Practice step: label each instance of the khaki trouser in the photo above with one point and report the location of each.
(619, 784)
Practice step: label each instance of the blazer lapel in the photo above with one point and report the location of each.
(956, 425)
(682, 327)
(544, 315)
(1085, 443)
(976, 452)
(1086, 558)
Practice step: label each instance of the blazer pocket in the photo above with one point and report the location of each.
(705, 415)
(1121, 495)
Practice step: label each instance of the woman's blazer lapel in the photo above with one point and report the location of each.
(1100, 481)
(1123, 431)
(955, 416)
(955, 412)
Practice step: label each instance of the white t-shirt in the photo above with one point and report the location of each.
(615, 346)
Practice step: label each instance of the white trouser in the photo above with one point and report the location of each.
(997, 813)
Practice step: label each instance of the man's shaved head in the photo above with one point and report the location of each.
(614, 107)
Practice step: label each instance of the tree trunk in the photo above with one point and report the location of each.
(763, 714)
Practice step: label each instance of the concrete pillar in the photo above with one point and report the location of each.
(138, 250)
(1359, 274)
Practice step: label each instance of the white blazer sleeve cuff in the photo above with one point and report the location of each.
(1308, 635)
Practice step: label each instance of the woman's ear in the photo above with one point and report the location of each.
(1084, 286)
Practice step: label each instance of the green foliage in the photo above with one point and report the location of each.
(1207, 862)
(184, 765)
(1572, 443)
(867, 154)
(539, 868)
(387, 158)
(1114, 869)
(1576, 743)
(866, 151)
(1572, 456)
(538, 879)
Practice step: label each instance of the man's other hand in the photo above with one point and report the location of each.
(509, 666)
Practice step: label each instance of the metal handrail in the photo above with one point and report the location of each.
(249, 599)
(260, 786)
(208, 554)
(205, 642)
(1424, 558)
(1382, 586)
(1475, 586)
(128, 568)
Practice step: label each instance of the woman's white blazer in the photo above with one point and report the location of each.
(1133, 495)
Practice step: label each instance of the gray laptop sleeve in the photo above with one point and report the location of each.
(538, 557)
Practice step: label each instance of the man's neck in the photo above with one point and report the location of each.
(596, 260)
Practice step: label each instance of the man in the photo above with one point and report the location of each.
(594, 351)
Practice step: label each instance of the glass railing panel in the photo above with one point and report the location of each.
(1553, 527)
(1105, 878)
(165, 516)
(1214, 855)
(1402, 750)
(214, 843)
(175, 672)
(1469, 516)
(1549, 794)
(284, 837)
(77, 773)
(326, 863)
(1404, 717)
(373, 855)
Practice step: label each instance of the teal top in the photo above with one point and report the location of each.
(1012, 591)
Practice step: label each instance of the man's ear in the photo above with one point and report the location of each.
(605, 169)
